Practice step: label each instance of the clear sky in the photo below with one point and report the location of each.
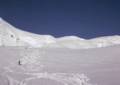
(83, 18)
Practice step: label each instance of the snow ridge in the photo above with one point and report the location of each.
(12, 36)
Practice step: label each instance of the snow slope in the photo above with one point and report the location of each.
(60, 66)
(11, 36)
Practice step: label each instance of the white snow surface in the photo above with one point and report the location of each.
(12, 36)
(31, 59)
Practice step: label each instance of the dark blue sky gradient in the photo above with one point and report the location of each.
(83, 18)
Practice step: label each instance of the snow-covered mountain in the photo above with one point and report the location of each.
(12, 36)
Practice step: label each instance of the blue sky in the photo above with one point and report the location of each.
(83, 18)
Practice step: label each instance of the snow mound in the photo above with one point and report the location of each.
(11, 36)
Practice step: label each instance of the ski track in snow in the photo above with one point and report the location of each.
(63, 78)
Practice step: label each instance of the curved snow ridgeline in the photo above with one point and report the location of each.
(11, 36)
